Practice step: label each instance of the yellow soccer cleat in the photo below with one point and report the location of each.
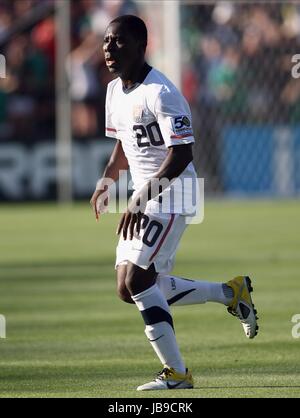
(242, 305)
(168, 378)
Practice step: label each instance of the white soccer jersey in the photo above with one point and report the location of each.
(148, 119)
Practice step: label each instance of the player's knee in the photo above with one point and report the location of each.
(122, 290)
(130, 282)
(133, 279)
(124, 294)
(137, 279)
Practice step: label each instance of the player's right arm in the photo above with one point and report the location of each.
(117, 162)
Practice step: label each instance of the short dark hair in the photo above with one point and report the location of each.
(135, 26)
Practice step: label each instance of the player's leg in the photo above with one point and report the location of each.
(235, 294)
(169, 376)
(180, 291)
(138, 279)
(122, 290)
(156, 315)
(153, 251)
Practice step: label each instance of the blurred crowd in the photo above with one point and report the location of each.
(236, 65)
(238, 69)
(238, 59)
(27, 94)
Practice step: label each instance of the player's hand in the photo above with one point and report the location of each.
(99, 203)
(131, 220)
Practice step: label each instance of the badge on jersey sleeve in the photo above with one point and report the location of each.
(182, 126)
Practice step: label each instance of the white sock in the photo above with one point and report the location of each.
(159, 327)
(179, 291)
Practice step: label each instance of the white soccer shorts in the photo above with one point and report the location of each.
(157, 243)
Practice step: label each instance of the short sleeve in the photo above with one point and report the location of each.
(174, 118)
(110, 129)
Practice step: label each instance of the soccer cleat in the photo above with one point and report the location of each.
(242, 305)
(168, 378)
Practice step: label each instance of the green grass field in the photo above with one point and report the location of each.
(69, 336)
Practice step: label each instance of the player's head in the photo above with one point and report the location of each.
(125, 43)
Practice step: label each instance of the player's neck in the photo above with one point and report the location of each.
(137, 76)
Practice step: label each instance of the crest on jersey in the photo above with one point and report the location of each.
(141, 115)
(138, 112)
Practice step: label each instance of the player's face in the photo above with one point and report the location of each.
(122, 52)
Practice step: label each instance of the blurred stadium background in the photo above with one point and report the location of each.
(67, 334)
(233, 61)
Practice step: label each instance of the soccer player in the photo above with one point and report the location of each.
(151, 121)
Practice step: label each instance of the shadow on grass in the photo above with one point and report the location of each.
(250, 387)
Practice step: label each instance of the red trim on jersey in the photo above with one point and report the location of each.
(164, 236)
(181, 136)
(111, 129)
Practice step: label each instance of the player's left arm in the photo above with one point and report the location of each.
(178, 158)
